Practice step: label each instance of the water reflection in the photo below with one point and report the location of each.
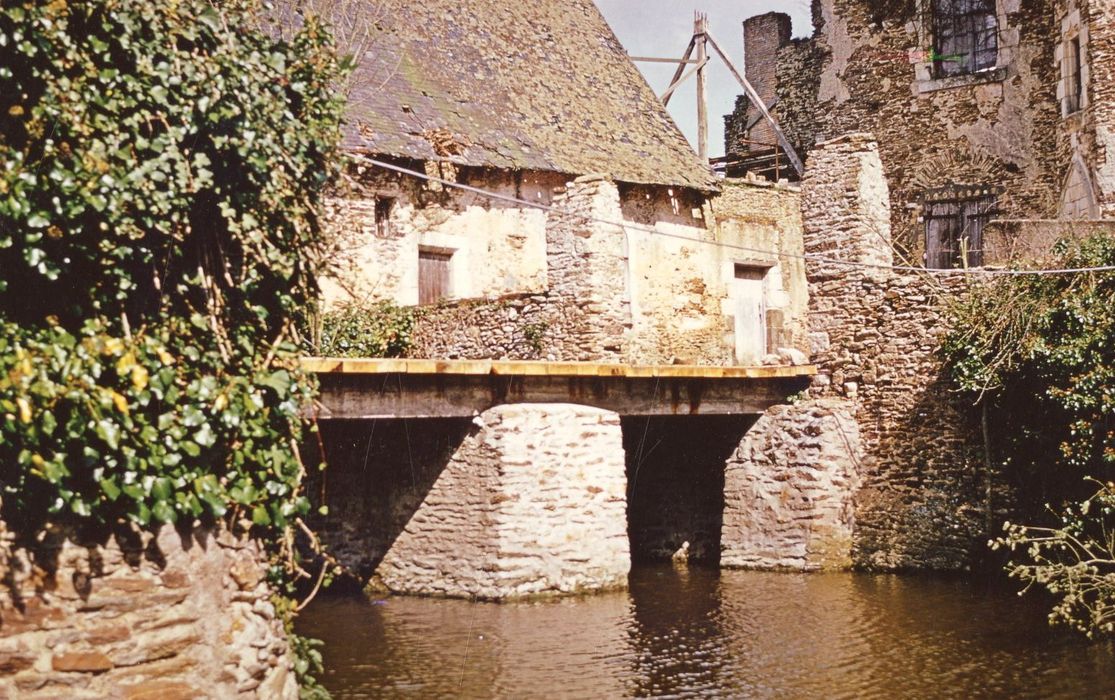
(703, 633)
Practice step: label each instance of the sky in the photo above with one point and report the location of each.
(663, 28)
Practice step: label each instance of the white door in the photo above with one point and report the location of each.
(750, 313)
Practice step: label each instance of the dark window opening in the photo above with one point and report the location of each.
(433, 276)
(965, 36)
(1074, 87)
(383, 215)
(954, 223)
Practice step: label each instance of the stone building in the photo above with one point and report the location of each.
(541, 105)
(983, 109)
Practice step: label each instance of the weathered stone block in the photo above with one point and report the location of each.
(531, 503)
(119, 630)
(81, 662)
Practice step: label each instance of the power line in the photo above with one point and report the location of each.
(813, 257)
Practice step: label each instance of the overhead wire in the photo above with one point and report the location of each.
(626, 225)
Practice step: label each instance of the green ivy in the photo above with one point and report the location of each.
(107, 429)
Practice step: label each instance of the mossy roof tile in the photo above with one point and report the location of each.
(513, 85)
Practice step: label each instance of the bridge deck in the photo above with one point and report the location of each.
(525, 368)
(402, 388)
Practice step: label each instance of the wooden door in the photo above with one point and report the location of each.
(750, 314)
(433, 276)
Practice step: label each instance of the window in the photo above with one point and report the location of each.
(383, 216)
(1074, 87)
(955, 218)
(433, 276)
(966, 36)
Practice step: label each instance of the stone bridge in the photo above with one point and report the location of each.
(492, 479)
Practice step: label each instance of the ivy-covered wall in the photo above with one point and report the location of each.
(161, 171)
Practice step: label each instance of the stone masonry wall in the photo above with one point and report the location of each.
(763, 36)
(923, 496)
(377, 475)
(761, 216)
(494, 247)
(626, 295)
(584, 314)
(587, 264)
(514, 327)
(789, 489)
(531, 503)
(161, 617)
(878, 464)
(1101, 43)
(867, 69)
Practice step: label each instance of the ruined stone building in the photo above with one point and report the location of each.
(937, 134)
(665, 309)
(983, 109)
(542, 104)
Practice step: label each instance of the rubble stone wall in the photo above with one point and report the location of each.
(1099, 16)
(624, 294)
(875, 335)
(164, 616)
(789, 489)
(532, 502)
(878, 464)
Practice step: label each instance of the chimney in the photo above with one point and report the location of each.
(763, 36)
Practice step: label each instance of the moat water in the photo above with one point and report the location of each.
(706, 633)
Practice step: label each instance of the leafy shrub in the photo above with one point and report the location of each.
(109, 429)
(1073, 559)
(1038, 352)
(162, 166)
(366, 330)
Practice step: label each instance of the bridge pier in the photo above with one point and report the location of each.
(789, 489)
(531, 502)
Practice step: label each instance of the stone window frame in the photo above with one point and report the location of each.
(925, 78)
(966, 34)
(1072, 27)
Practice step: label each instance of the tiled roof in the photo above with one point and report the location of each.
(517, 85)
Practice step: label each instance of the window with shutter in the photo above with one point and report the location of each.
(955, 219)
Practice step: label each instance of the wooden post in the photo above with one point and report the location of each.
(677, 83)
(700, 35)
(677, 74)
